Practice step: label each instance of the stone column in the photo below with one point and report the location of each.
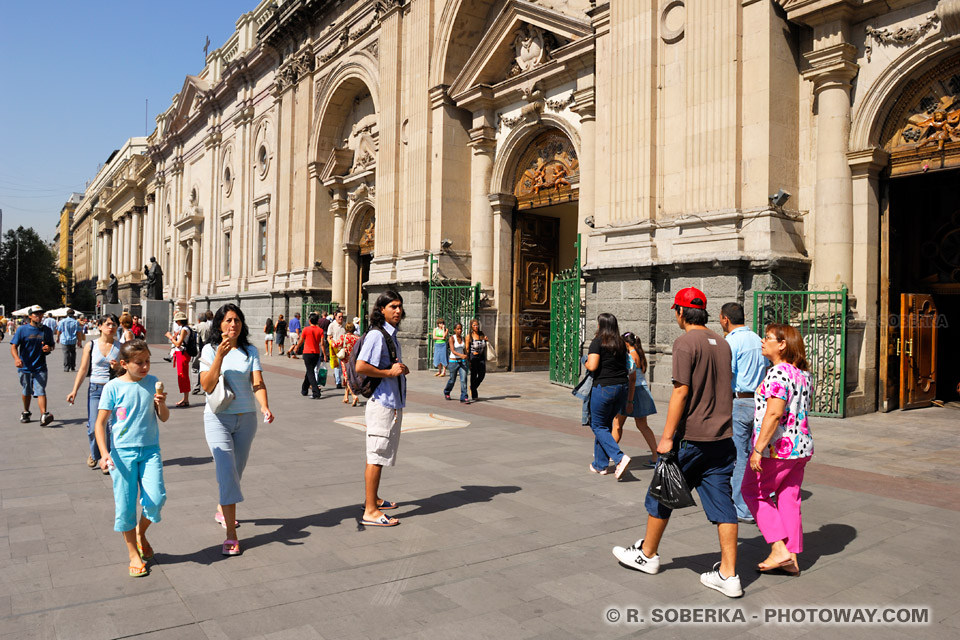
(135, 265)
(113, 250)
(483, 142)
(350, 259)
(127, 242)
(148, 224)
(100, 243)
(338, 208)
(585, 107)
(195, 268)
(832, 69)
(502, 206)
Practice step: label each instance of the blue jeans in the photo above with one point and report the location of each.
(742, 432)
(605, 403)
(457, 368)
(94, 392)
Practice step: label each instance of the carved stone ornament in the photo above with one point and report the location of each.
(949, 12)
(903, 35)
(292, 70)
(549, 164)
(926, 121)
(532, 46)
(342, 43)
(560, 104)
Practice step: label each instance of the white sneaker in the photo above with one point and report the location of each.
(624, 463)
(633, 558)
(729, 587)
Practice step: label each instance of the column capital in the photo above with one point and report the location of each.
(439, 97)
(585, 103)
(483, 139)
(867, 162)
(152, 197)
(502, 203)
(831, 67)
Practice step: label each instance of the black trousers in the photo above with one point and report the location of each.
(69, 357)
(478, 371)
(310, 361)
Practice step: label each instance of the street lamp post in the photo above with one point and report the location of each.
(17, 286)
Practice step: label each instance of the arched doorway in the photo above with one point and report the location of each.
(920, 243)
(546, 188)
(358, 255)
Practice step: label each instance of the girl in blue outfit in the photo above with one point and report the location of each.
(134, 401)
(642, 400)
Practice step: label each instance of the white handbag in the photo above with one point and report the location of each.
(491, 353)
(222, 395)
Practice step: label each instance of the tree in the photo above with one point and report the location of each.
(39, 274)
(84, 296)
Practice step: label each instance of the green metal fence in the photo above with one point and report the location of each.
(364, 318)
(454, 301)
(821, 317)
(322, 308)
(566, 314)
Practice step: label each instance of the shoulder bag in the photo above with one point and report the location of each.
(222, 395)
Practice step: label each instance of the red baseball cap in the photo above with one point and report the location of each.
(691, 298)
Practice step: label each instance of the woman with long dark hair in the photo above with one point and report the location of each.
(642, 399)
(477, 348)
(268, 337)
(99, 357)
(230, 431)
(613, 388)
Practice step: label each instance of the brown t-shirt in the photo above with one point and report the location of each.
(701, 361)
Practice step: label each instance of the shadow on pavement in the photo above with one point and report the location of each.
(488, 399)
(829, 539)
(188, 461)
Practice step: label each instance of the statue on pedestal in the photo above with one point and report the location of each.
(113, 296)
(154, 275)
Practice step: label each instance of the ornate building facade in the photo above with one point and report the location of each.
(332, 149)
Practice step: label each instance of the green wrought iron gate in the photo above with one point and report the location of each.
(313, 306)
(821, 317)
(566, 324)
(452, 300)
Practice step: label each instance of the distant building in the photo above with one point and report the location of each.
(63, 244)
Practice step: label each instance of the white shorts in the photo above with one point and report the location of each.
(268, 337)
(383, 433)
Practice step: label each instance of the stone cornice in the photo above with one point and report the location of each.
(483, 139)
(812, 13)
(867, 162)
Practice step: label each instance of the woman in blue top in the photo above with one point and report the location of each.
(642, 399)
(230, 432)
(134, 402)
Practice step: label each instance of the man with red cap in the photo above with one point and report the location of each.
(699, 430)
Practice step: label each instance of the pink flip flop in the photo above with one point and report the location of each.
(223, 523)
(230, 548)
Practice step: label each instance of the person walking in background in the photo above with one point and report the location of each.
(29, 347)
(139, 331)
(477, 348)
(181, 361)
(782, 446)
(344, 346)
(67, 330)
(458, 363)
(293, 331)
(643, 405)
(440, 346)
(699, 431)
(268, 337)
(384, 410)
(125, 331)
(50, 322)
(281, 332)
(230, 432)
(100, 358)
(749, 367)
(612, 393)
(134, 402)
(311, 340)
(333, 333)
(203, 329)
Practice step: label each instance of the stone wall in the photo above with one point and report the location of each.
(413, 328)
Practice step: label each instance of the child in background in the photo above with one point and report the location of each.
(135, 400)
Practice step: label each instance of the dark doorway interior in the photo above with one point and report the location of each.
(925, 258)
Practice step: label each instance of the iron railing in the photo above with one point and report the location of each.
(821, 318)
(453, 300)
(566, 321)
(322, 308)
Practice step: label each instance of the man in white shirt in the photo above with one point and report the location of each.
(334, 332)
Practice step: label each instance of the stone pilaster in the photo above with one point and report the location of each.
(338, 209)
(483, 141)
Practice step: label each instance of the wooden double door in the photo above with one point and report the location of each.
(536, 249)
(915, 350)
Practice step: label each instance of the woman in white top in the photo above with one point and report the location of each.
(457, 365)
(99, 358)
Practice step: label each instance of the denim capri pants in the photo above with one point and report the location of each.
(230, 436)
(137, 468)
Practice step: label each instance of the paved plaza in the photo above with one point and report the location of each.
(504, 534)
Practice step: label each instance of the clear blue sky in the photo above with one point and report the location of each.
(74, 78)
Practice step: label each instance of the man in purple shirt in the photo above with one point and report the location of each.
(384, 411)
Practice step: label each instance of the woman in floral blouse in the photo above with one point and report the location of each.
(782, 445)
(346, 342)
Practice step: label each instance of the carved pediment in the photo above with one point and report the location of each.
(337, 165)
(190, 99)
(519, 40)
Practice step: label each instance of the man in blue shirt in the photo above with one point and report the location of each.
(749, 367)
(384, 411)
(67, 332)
(294, 328)
(29, 348)
(50, 322)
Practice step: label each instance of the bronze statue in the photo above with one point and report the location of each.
(113, 296)
(154, 275)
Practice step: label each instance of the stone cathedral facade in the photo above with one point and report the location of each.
(332, 149)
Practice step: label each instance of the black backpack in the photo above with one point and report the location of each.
(190, 346)
(366, 385)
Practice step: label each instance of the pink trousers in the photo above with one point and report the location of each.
(778, 517)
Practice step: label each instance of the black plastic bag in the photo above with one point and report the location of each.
(668, 486)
